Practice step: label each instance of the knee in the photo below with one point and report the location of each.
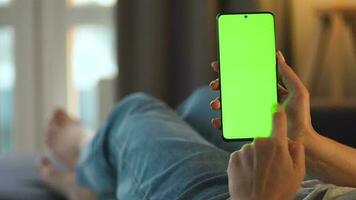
(137, 102)
(204, 92)
(138, 98)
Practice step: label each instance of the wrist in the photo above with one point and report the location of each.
(310, 138)
(314, 147)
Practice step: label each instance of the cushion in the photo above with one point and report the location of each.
(20, 180)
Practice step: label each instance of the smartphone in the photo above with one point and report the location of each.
(248, 74)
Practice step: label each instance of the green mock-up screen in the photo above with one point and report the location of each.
(247, 74)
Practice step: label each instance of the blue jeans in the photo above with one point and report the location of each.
(146, 150)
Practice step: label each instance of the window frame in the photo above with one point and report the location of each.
(57, 22)
(43, 70)
(18, 14)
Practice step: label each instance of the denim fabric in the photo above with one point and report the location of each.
(196, 112)
(148, 151)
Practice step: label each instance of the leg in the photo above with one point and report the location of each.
(196, 111)
(146, 151)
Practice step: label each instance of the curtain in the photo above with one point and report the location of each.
(165, 46)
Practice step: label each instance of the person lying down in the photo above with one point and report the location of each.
(146, 150)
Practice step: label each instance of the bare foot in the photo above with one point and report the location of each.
(64, 136)
(62, 182)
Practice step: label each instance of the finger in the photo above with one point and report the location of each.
(262, 146)
(289, 77)
(282, 93)
(43, 160)
(235, 172)
(216, 122)
(215, 85)
(215, 66)
(279, 130)
(247, 156)
(215, 104)
(282, 89)
(296, 150)
(234, 162)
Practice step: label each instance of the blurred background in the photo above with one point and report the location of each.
(84, 55)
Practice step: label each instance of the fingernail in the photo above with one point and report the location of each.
(215, 103)
(216, 123)
(281, 55)
(214, 85)
(213, 64)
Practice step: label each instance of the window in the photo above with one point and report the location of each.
(7, 81)
(106, 3)
(4, 2)
(52, 54)
(90, 57)
(91, 60)
(17, 91)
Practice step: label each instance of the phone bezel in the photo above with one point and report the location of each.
(218, 56)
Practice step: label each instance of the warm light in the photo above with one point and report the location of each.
(82, 3)
(7, 83)
(92, 55)
(4, 2)
(91, 58)
(7, 68)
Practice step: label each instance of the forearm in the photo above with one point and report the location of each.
(330, 161)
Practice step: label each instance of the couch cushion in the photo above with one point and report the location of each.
(19, 179)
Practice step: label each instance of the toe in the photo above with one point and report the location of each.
(44, 168)
(43, 161)
(60, 117)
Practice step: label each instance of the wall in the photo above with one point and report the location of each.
(338, 55)
(304, 25)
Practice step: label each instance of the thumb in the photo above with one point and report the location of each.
(289, 77)
(296, 150)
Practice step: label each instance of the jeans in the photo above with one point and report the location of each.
(146, 150)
